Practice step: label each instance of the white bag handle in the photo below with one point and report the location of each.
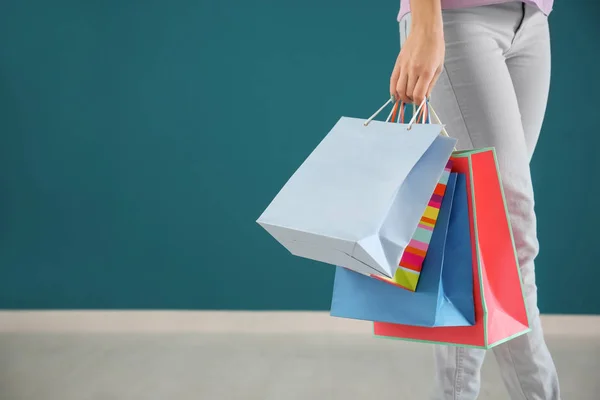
(437, 119)
(415, 114)
(391, 100)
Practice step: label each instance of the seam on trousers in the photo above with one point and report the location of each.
(458, 106)
(459, 374)
(518, 32)
(520, 26)
(512, 361)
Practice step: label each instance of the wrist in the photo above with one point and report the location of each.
(427, 17)
(428, 26)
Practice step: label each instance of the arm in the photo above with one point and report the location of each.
(421, 58)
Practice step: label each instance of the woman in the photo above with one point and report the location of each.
(486, 65)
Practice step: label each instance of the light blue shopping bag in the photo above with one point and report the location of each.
(358, 198)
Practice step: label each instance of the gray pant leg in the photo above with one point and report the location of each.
(493, 92)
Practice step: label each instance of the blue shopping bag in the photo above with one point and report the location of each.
(444, 296)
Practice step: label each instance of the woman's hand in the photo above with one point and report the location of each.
(421, 59)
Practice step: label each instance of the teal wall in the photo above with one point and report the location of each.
(140, 140)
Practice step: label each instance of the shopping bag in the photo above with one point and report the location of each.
(411, 262)
(444, 296)
(500, 311)
(357, 199)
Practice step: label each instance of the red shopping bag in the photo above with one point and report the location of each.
(500, 313)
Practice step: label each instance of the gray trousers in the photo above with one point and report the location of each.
(493, 92)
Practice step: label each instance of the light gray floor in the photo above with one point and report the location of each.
(249, 367)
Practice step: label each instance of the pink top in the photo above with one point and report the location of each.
(544, 5)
